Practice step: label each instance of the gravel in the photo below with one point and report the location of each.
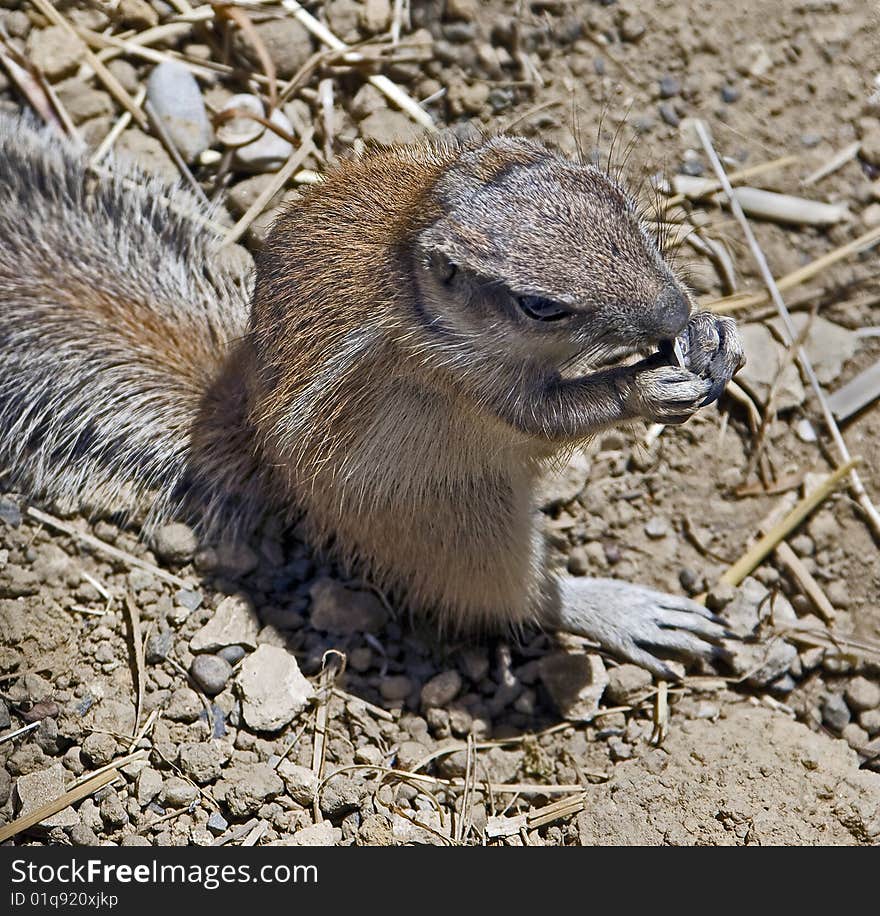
(273, 690)
(835, 712)
(575, 683)
(178, 793)
(176, 543)
(234, 623)
(210, 672)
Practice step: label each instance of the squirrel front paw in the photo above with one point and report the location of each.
(710, 351)
(712, 348)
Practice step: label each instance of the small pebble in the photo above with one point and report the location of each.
(178, 793)
(267, 153)
(175, 543)
(669, 87)
(835, 712)
(188, 599)
(862, 694)
(657, 527)
(442, 689)
(175, 96)
(669, 115)
(396, 687)
(210, 672)
(730, 94)
(692, 167)
(216, 823)
(232, 654)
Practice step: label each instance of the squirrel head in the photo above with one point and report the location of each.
(536, 257)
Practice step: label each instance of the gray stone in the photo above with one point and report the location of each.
(55, 51)
(242, 194)
(300, 782)
(99, 748)
(147, 153)
(235, 623)
(34, 790)
(137, 14)
(827, 344)
(112, 811)
(388, 128)
(273, 690)
(189, 599)
(175, 543)
(764, 357)
(248, 788)
(343, 611)
(83, 835)
(321, 834)
(288, 44)
(183, 705)
(210, 672)
(752, 603)
(835, 712)
(202, 761)
(410, 754)
(269, 151)
(870, 721)
(376, 15)
(669, 87)
(395, 687)
(657, 527)
(149, 785)
(442, 689)
(862, 694)
(235, 559)
(158, 646)
(173, 92)
(216, 823)
(135, 839)
(575, 682)
(232, 654)
(82, 101)
(626, 683)
(178, 793)
(342, 795)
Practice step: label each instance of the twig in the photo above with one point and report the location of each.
(796, 277)
(137, 641)
(113, 85)
(838, 160)
(272, 188)
(858, 488)
(20, 731)
(756, 553)
(59, 804)
(381, 82)
(106, 548)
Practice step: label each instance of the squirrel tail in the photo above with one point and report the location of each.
(122, 336)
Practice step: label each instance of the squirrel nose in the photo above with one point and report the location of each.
(672, 310)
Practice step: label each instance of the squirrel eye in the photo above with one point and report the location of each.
(541, 309)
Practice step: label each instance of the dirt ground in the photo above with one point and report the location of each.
(392, 737)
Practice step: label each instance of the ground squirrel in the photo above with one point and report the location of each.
(429, 327)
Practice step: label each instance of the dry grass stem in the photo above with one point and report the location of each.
(105, 548)
(858, 488)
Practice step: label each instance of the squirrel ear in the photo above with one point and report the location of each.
(441, 265)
